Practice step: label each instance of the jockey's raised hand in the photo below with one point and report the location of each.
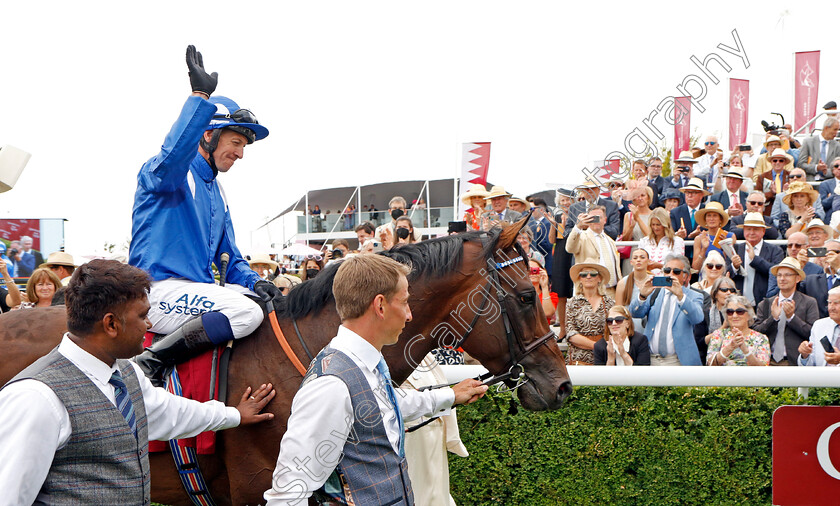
(200, 80)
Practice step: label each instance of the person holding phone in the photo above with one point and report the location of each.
(539, 279)
(736, 343)
(813, 352)
(588, 239)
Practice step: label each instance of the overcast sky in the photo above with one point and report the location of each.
(363, 92)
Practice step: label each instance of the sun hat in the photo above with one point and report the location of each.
(497, 191)
(712, 207)
(59, 258)
(779, 153)
(686, 157)
(262, 258)
(772, 138)
(800, 187)
(818, 223)
(697, 184)
(476, 190)
(754, 220)
(790, 263)
(589, 263)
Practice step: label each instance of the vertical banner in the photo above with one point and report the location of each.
(739, 111)
(475, 160)
(806, 85)
(682, 125)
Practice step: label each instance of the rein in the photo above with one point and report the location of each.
(278, 333)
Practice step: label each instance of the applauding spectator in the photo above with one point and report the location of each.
(813, 352)
(736, 343)
(786, 318)
(721, 289)
(732, 198)
(586, 313)
(10, 294)
(637, 219)
(755, 204)
(475, 199)
(41, 288)
(661, 241)
(750, 267)
(499, 212)
(774, 181)
(621, 344)
(713, 268)
(819, 149)
(801, 205)
(539, 279)
(683, 218)
(714, 219)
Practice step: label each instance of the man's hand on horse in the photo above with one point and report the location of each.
(469, 391)
(267, 291)
(250, 405)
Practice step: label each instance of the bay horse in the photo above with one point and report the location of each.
(470, 290)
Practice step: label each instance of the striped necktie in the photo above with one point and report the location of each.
(382, 367)
(123, 401)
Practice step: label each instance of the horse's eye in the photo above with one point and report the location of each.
(527, 298)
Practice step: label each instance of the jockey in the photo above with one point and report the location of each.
(181, 225)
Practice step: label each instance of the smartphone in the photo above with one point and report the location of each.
(377, 246)
(597, 219)
(817, 252)
(745, 147)
(827, 344)
(661, 281)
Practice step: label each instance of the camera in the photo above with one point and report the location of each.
(770, 127)
(682, 169)
(13, 253)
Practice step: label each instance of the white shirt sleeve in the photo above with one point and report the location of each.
(321, 419)
(414, 404)
(173, 417)
(33, 425)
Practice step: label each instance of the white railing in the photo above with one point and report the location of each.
(777, 242)
(684, 376)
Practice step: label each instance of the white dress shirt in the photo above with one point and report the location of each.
(34, 423)
(322, 417)
(664, 322)
(748, 271)
(824, 327)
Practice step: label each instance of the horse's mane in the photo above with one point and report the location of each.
(431, 259)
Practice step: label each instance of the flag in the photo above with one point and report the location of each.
(475, 161)
(739, 111)
(806, 85)
(682, 125)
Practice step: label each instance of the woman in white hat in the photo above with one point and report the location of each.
(799, 203)
(474, 198)
(586, 313)
(262, 264)
(712, 217)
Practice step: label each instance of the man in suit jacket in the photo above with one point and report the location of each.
(675, 311)
(818, 285)
(499, 212)
(588, 239)
(753, 259)
(811, 352)
(773, 181)
(655, 178)
(682, 216)
(830, 190)
(31, 259)
(818, 150)
(591, 198)
(734, 207)
(797, 248)
(786, 319)
(755, 204)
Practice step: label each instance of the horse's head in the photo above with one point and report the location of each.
(474, 292)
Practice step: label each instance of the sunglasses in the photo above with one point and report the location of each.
(535, 270)
(740, 311)
(728, 290)
(755, 203)
(795, 245)
(716, 267)
(585, 275)
(711, 143)
(776, 160)
(668, 270)
(795, 176)
(314, 257)
(616, 185)
(837, 165)
(617, 319)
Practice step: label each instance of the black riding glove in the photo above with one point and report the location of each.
(267, 291)
(200, 80)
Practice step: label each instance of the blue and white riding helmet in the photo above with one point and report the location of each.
(229, 115)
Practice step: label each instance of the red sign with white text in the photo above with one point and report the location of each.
(682, 125)
(806, 446)
(739, 111)
(806, 83)
(13, 230)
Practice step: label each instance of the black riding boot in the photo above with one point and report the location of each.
(183, 344)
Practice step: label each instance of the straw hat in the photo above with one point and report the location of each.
(712, 207)
(696, 183)
(476, 190)
(587, 184)
(59, 258)
(779, 153)
(800, 187)
(790, 263)
(686, 157)
(589, 263)
(818, 223)
(772, 138)
(519, 199)
(753, 220)
(497, 191)
(262, 258)
(735, 174)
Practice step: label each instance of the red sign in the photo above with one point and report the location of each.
(475, 162)
(682, 125)
(13, 230)
(739, 111)
(806, 84)
(806, 455)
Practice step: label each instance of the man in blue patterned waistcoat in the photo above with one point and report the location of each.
(344, 441)
(75, 425)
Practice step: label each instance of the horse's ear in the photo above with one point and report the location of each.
(509, 234)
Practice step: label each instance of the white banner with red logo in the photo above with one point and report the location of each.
(739, 111)
(475, 161)
(806, 85)
(682, 125)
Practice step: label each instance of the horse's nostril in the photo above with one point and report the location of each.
(565, 390)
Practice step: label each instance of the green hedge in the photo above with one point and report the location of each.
(621, 445)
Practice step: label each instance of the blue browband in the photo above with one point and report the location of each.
(502, 265)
